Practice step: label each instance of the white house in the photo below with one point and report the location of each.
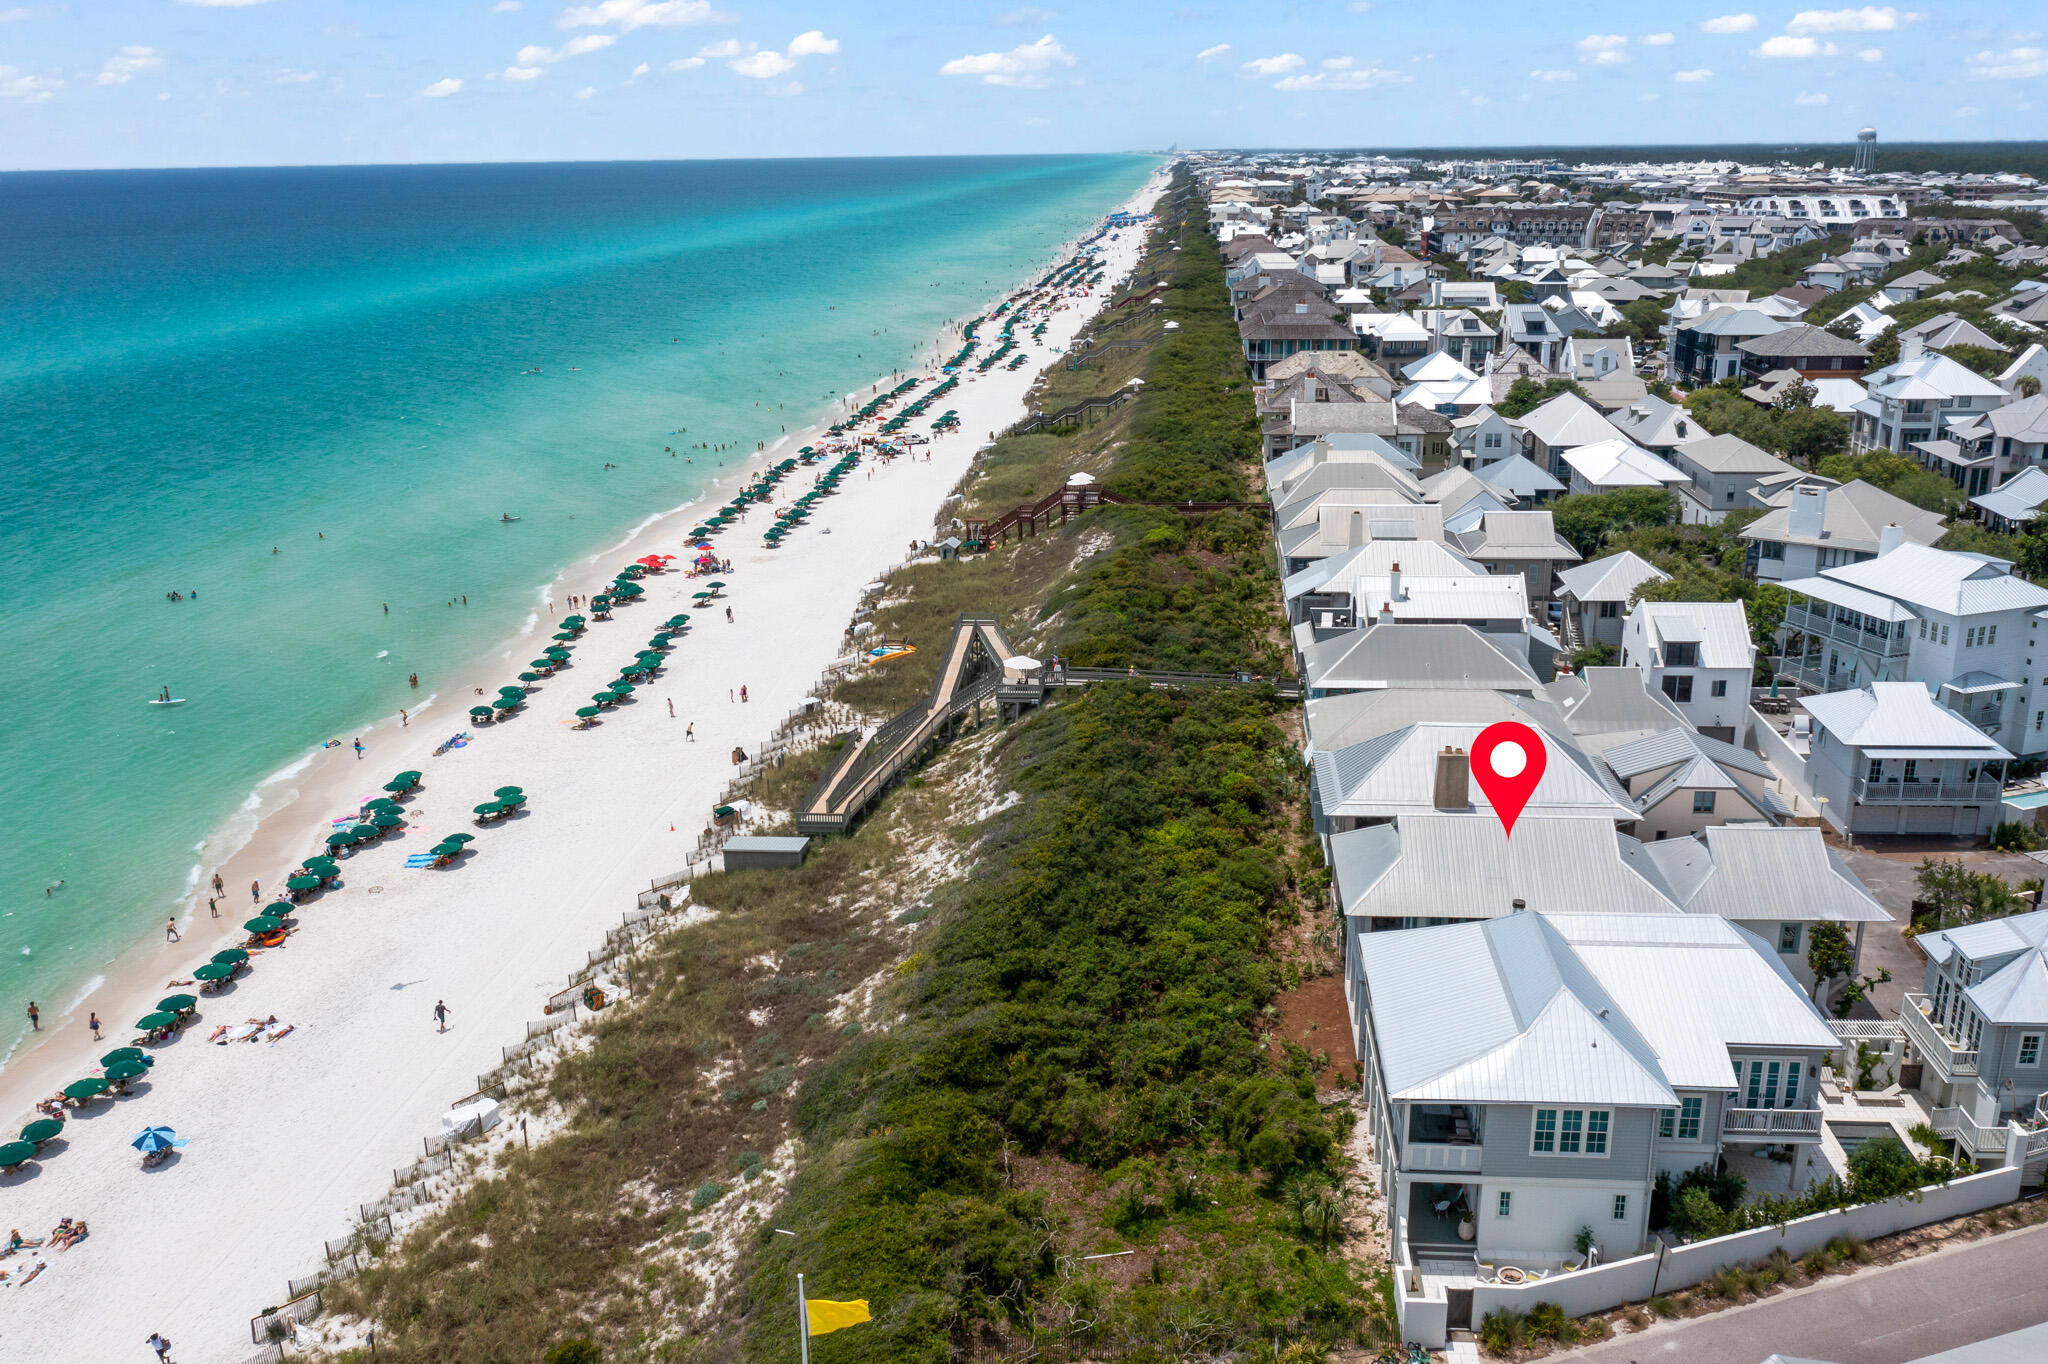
(1609, 465)
(1811, 528)
(1699, 654)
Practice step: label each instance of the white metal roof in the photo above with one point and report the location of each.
(1720, 628)
(1436, 657)
(1897, 715)
(1395, 773)
(1335, 722)
(1613, 578)
(1431, 865)
(1942, 580)
(1759, 872)
(1568, 420)
(1855, 598)
(1621, 463)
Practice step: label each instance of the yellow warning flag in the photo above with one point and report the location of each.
(826, 1316)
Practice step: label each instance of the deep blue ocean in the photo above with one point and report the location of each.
(202, 365)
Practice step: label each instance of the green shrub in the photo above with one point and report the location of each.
(574, 1352)
(1883, 1167)
(1548, 1321)
(1502, 1331)
(1695, 1216)
(705, 1194)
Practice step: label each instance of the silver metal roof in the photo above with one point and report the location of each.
(1335, 722)
(1612, 578)
(1897, 715)
(1436, 657)
(1438, 866)
(1395, 773)
(1756, 872)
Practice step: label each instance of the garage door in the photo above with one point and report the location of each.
(1930, 819)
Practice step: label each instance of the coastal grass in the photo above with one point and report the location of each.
(1080, 1065)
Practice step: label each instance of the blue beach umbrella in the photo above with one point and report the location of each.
(156, 1139)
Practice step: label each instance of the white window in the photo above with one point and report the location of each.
(1991, 635)
(1506, 1206)
(1689, 1119)
(2030, 1049)
(1718, 689)
(1788, 937)
(1621, 1207)
(1923, 629)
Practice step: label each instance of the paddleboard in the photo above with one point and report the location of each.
(174, 701)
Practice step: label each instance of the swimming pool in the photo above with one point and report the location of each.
(2028, 800)
(1853, 1134)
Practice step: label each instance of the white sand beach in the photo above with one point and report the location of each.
(287, 1138)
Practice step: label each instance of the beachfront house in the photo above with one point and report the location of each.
(1980, 1024)
(1528, 1078)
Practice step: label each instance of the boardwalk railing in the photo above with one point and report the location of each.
(1071, 416)
(1076, 359)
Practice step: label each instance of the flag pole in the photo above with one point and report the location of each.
(803, 1322)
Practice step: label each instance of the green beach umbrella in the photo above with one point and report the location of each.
(383, 803)
(15, 1152)
(509, 791)
(93, 1084)
(490, 807)
(557, 652)
(278, 909)
(120, 1054)
(445, 849)
(622, 688)
(566, 635)
(544, 664)
(262, 923)
(42, 1129)
(460, 838)
(310, 881)
(529, 677)
(326, 864)
(511, 691)
(480, 712)
(340, 839)
(603, 698)
(387, 819)
(364, 831)
(506, 703)
(587, 712)
(398, 787)
(127, 1070)
(232, 956)
(214, 970)
(176, 1004)
(409, 778)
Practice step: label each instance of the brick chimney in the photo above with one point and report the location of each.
(1453, 780)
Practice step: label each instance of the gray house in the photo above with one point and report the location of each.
(1530, 1076)
(1981, 1027)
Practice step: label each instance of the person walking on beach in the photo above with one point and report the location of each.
(743, 696)
(255, 892)
(728, 615)
(690, 732)
(93, 1021)
(219, 888)
(212, 907)
(35, 1017)
(402, 721)
(359, 750)
(671, 708)
(162, 1347)
(171, 930)
(441, 1014)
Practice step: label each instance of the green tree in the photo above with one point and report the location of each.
(1525, 395)
(1884, 350)
(1829, 956)
(1979, 359)
(1587, 519)
(1882, 1167)
(1897, 475)
(1953, 894)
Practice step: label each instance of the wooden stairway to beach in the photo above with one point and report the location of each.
(968, 677)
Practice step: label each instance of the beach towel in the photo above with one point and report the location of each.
(419, 860)
(242, 1032)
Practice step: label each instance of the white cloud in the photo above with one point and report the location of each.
(1810, 97)
(586, 92)
(1692, 77)
(1868, 19)
(291, 77)
(28, 89)
(1784, 46)
(1360, 6)
(507, 7)
(1273, 66)
(447, 85)
(14, 16)
(1027, 17)
(723, 48)
(1210, 54)
(1027, 67)
(1341, 73)
(632, 14)
(2018, 63)
(1729, 23)
(523, 73)
(1603, 49)
(1870, 54)
(640, 71)
(813, 44)
(127, 64)
(1968, 111)
(1651, 98)
(1554, 74)
(535, 55)
(1659, 39)
(684, 64)
(762, 65)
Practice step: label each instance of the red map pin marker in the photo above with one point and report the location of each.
(1507, 761)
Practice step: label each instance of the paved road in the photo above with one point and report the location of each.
(1883, 1316)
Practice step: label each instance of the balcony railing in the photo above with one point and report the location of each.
(1986, 1145)
(1821, 625)
(1458, 1158)
(1771, 1124)
(1931, 1043)
(1921, 792)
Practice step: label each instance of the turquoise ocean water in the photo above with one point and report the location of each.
(200, 366)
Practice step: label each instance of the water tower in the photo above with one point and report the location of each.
(1866, 152)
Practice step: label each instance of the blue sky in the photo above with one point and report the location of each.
(241, 82)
